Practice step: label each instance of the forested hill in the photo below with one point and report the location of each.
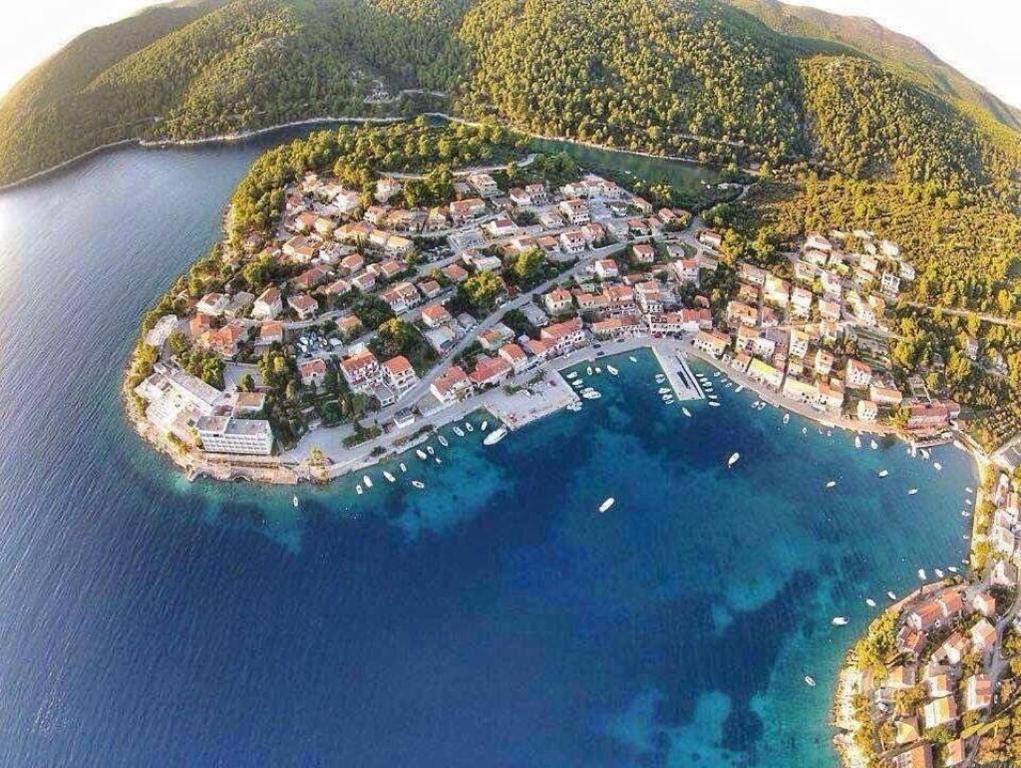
(903, 55)
(704, 78)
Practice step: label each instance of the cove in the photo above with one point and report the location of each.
(493, 617)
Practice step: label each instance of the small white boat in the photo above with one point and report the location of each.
(606, 504)
(437, 459)
(578, 383)
(884, 472)
(685, 411)
(912, 492)
(495, 436)
(925, 454)
(937, 466)
(358, 488)
(714, 404)
(870, 602)
(664, 390)
(939, 573)
(367, 480)
(873, 445)
(804, 430)
(574, 407)
(390, 478)
(443, 441)
(810, 681)
(485, 426)
(294, 500)
(632, 358)
(786, 418)
(613, 371)
(430, 450)
(458, 431)
(666, 397)
(404, 467)
(712, 397)
(952, 568)
(831, 483)
(733, 459)
(755, 404)
(857, 441)
(716, 374)
(588, 370)
(838, 621)
(921, 574)
(967, 489)
(468, 426)
(591, 395)
(891, 595)
(740, 388)
(418, 483)
(421, 454)
(572, 375)
(598, 369)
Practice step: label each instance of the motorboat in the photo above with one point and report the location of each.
(443, 441)
(884, 472)
(632, 358)
(390, 478)
(572, 375)
(404, 467)
(495, 436)
(588, 370)
(591, 395)
(937, 466)
(613, 371)
(891, 595)
(786, 418)
(939, 573)
(485, 426)
(714, 404)
(458, 431)
(664, 390)
(430, 450)
(367, 481)
(873, 445)
(810, 681)
(598, 369)
(685, 411)
(733, 459)
(437, 459)
(468, 426)
(921, 574)
(870, 602)
(418, 483)
(294, 500)
(838, 621)
(857, 441)
(912, 492)
(358, 489)
(606, 504)
(421, 454)
(831, 483)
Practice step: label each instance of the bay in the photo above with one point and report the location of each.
(492, 618)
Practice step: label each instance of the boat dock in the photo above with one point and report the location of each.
(678, 373)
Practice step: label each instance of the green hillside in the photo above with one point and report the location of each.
(901, 54)
(725, 82)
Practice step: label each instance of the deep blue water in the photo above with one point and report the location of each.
(494, 618)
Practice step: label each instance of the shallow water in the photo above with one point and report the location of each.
(493, 618)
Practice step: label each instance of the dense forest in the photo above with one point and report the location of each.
(724, 82)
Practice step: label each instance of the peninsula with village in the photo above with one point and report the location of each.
(378, 282)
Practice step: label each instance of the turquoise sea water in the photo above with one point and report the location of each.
(493, 618)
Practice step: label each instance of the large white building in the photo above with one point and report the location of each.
(176, 400)
(225, 434)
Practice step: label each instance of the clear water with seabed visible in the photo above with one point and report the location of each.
(492, 618)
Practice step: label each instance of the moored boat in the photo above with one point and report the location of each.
(443, 441)
(418, 483)
(870, 602)
(367, 481)
(495, 436)
(390, 478)
(613, 371)
(421, 454)
(685, 411)
(458, 431)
